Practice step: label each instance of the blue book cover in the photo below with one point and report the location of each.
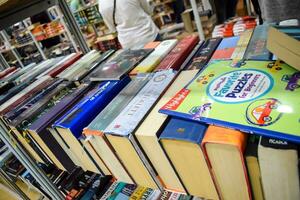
(180, 129)
(257, 48)
(89, 107)
(229, 42)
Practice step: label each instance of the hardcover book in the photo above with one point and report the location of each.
(181, 141)
(226, 48)
(283, 41)
(151, 62)
(120, 131)
(178, 54)
(119, 64)
(148, 133)
(71, 124)
(204, 54)
(264, 99)
(281, 158)
(224, 149)
(254, 173)
(257, 48)
(95, 129)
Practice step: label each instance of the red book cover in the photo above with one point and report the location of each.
(178, 55)
(7, 71)
(53, 73)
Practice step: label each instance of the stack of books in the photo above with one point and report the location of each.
(169, 121)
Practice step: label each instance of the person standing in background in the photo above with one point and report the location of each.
(279, 10)
(132, 21)
(225, 9)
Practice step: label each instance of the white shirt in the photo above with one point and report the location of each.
(135, 26)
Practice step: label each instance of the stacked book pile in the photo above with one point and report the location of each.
(234, 27)
(156, 120)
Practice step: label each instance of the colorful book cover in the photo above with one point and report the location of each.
(112, 110)
(257, 48)
(178, 54)
(263, 99)
(149, 64)
(241, 46)
(125, 123)
(226, 48)
(119, 64)
(82, 113)
(204, 54)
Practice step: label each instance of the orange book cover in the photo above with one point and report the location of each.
(151, 45)
(88, 132)
(220, 135)
(215, 134)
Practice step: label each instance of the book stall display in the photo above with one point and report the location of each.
(179, 119)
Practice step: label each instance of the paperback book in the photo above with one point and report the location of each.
(264, 100)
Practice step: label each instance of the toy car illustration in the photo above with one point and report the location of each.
(264, 112)
(293, 81)
(238, 63)
(274, 66)
(198, 111)
(204, 79)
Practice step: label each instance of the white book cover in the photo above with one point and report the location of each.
(135, 111)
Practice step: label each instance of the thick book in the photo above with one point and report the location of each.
(20, 112)
(251, 156)
(263, 98)
(181, 141)
(119, 64)
(149, 131)
(95, 129)
(283, 41)
(120, 132)
(224, 149)
(87, 69)
(39, 129)
(71, 124)
(279, 167)
(26, 93)
(204, 54)
(37, 70)
(226, 48)
(178, 54)
(257, 48)
(7, 71)
(18, 73)
(79, 66)
(70, 60)
(151, 62)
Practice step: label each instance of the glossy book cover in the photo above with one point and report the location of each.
(256, 98)
(119, 64)
(87, 109)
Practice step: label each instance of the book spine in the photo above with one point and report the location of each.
(204, 54)
(129, 118)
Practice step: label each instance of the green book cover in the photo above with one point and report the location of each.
(258, 97)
